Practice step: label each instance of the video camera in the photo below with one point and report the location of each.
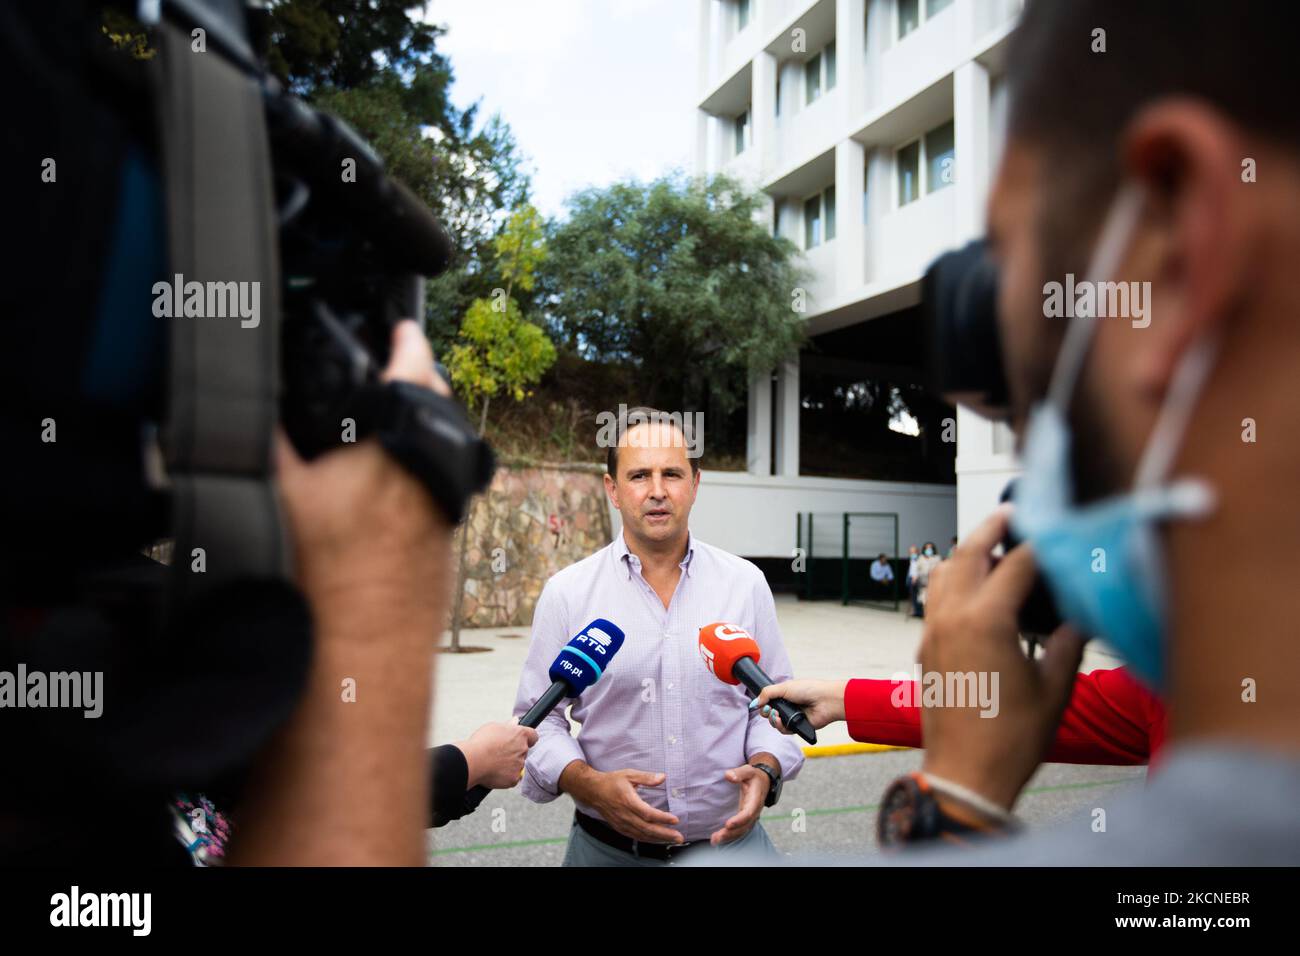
(140, 397)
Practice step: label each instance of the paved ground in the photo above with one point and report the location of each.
(830, 808)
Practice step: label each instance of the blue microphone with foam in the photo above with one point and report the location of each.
(579, 664)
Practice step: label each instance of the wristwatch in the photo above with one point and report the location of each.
(916, 808)
(774, 791)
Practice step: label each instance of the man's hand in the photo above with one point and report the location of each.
(363, 528)
(822, 701)
(495, 754)
(754, 785)
(970, 626)
(614, 795)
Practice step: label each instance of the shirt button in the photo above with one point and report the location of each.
(670, 685)
(676, 792)
(672, 740)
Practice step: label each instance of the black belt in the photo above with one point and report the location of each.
(604, 833)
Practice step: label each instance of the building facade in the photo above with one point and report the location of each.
(873, 127)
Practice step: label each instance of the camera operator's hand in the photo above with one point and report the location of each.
(970, 626)
(345, 782)
(360, 522)
(495, 754)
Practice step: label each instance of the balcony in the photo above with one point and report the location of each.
(909, 237)
(812, 129)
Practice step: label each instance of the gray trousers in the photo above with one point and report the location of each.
(586, 850)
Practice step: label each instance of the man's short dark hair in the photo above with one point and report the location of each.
(1074, 103)
(639, 415)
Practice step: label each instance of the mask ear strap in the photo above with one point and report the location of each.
(1111, 247)
(1171, 424)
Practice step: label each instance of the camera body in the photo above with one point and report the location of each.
(959, 305)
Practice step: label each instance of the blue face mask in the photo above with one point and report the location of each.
(1102, 561)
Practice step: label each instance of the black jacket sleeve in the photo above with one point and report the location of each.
(449, 775)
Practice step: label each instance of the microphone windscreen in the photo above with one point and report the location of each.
(721, 645)
(583, 660)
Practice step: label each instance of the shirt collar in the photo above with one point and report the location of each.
(624, 555)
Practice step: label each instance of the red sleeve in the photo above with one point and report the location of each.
(1111, 718)
(883, 712)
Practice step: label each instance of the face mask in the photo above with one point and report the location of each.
(1102, 561)
(929, 552)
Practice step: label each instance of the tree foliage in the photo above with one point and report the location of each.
(497, 349)
(679, 279)
(375, 66)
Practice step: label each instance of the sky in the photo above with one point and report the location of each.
(594, 90)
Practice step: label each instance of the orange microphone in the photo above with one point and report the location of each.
(732, 656)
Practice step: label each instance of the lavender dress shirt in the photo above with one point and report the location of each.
(657, 708)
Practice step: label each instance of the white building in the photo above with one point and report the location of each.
(873, 126)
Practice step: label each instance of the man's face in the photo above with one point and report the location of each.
(1109, 421)
(656, 486)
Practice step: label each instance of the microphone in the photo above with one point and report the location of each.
(579, 664)
(732, 655)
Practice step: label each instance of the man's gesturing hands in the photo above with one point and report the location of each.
(613, 794)
(754, 785)
(970, 626)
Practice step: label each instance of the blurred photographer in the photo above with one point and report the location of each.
(1137, 431)
(1160, 173)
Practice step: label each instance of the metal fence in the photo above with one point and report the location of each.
(838, 548)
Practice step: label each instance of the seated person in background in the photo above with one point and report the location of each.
(882, 578)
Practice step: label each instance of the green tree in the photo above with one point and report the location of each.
(679, 279)
(370, 63)
(498, 350)
(351, 44)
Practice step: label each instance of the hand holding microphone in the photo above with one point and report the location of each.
(495, 754)
(579, 664)
(822, 701)
(732, 655)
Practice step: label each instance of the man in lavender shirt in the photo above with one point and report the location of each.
(669, 760)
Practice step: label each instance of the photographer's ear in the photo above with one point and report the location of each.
(1198, 228)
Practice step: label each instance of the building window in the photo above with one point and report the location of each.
(819, 218)
(812, 222)
(777, 101)
(819, 73)
(812, 79)
(909, 173)
(741, 125)
(866, 204)
(934, 156)
(909, 16)
(940, 158)
(742, 14)
(910, 13)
